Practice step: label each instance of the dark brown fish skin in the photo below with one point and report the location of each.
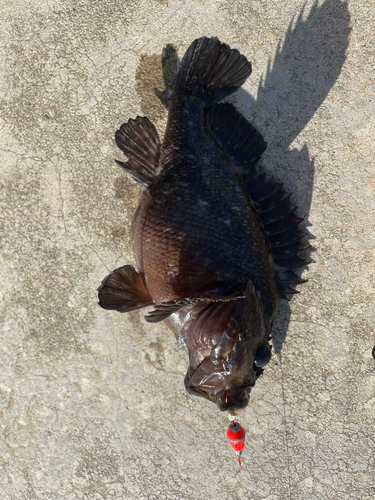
(197, 230)
(200, 241)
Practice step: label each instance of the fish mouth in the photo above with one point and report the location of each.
(233, 400)
(234, 407)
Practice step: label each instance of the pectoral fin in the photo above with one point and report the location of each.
(124, 290)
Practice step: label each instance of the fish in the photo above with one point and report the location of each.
(215, 238)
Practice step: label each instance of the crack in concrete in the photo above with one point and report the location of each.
(190, 19)
(161, 27)
(61, 197)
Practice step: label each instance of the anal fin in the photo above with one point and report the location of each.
(124, 290)
(139, 141)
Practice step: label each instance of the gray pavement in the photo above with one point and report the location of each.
(92, 403)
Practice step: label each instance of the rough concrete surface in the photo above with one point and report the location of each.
(92, 402)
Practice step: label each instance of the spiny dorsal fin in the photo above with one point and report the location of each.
(139, 141)
(243, 145)
(124, 290)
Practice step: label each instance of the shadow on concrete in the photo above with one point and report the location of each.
(304, 69)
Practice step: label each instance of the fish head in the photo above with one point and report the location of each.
(226, 373)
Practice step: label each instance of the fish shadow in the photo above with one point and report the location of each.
(298, 79)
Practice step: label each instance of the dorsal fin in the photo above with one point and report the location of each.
(139, 141)
(243, 145)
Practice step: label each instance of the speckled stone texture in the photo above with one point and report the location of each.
(92, 403)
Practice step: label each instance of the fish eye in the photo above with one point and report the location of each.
(262, 356)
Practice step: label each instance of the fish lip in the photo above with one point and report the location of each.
(234, 404)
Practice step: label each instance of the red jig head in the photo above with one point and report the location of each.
(236, 438)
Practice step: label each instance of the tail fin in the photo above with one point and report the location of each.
(211, 70)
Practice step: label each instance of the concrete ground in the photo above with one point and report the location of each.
(92, 403)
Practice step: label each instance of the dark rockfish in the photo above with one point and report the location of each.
(215, 239)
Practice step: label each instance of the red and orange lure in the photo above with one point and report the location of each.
(236, 438)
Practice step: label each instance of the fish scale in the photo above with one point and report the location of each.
(187, 219)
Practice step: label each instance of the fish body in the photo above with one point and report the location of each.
(198, 230)
(204, 254)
